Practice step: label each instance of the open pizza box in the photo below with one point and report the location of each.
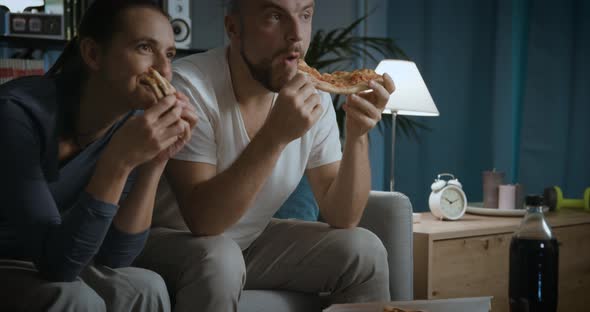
(475, 304)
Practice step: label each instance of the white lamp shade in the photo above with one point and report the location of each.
(411, 96)
(21, 5)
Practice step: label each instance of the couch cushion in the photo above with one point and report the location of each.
(300, 205)
(275, 300)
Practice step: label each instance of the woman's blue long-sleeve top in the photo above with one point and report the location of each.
(45, 215)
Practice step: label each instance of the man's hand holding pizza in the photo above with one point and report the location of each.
(297, 108)
(363, 110)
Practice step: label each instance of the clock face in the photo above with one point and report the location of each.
(452, 202)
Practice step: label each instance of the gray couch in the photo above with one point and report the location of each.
(389, 216)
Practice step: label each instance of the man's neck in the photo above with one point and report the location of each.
(248, 91)
(96, 114)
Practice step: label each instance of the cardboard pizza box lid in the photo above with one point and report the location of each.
(474, 304)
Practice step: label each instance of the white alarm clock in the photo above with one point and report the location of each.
(447, 199)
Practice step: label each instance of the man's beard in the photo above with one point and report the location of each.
(263, 71)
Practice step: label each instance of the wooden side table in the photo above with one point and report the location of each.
(469, 258)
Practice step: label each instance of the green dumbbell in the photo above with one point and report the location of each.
(554, 199)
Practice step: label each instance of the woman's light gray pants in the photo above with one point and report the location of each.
(98, 288)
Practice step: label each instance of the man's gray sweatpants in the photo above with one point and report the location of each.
(344, 265)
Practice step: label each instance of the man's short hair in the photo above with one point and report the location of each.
(233, 6)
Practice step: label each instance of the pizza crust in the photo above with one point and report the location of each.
(330, 88)
(152, 84)
(166, 87)
(158, 84)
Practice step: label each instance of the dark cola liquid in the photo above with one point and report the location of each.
(533, 275)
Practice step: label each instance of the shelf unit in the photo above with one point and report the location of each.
(58, 44)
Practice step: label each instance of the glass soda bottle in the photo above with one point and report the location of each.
(533, 262)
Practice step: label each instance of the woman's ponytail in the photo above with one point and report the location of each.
(68, 61)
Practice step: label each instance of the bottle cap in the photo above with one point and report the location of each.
(534, 200)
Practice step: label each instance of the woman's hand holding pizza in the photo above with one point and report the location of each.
(363, 110)
(161, 131)
(143, 137)
(188, 119)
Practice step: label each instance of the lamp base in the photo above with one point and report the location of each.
(392, 161)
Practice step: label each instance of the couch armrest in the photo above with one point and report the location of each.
(389, 216)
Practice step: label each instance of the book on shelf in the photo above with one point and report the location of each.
(15, 68)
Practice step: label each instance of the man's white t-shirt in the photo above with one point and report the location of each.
(220, 137)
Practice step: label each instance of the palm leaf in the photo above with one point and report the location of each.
(348, 30)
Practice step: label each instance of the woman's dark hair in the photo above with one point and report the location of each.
(100, 22)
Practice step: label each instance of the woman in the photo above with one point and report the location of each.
(74, 216)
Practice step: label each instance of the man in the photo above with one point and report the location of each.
(261, 127)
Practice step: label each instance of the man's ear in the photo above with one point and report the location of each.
(232, 26)
(90, 52)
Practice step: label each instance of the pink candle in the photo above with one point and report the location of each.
(491, 182)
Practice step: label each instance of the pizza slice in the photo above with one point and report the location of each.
(341, 82)
(388, 308)
(158, 84)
